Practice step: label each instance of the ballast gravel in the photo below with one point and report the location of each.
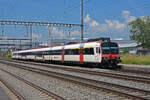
(97, 69)
(64, 89)
(28, 92)
(137, 85)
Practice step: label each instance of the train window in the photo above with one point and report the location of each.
(81, 51)
(33, 53)
(114, 48)
(23, 54)
(110, 48)
(59, 52)
(49, 52)
(88, 51)
(113, 45)
(46, 53)
(75, 51)
(72, 52)
(28, 53)
(98, 50)
(67, 52)
(55, 52)
(39, 54)
(43, 53)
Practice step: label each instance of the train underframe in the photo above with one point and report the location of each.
(111, 64)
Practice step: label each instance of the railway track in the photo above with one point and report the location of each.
(119, 90)
(17, 95)
(105, 74)
(133, 71)
(40, 91)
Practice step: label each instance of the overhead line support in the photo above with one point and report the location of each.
(36, 23)
(82, 26)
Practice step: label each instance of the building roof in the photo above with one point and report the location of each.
(126, 43)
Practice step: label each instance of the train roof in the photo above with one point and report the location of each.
(77, 45)
(68, 46)
(102, 39)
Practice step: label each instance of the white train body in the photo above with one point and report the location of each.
(83, 53)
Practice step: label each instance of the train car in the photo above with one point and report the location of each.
(100, 53)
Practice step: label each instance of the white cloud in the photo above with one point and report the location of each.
(125, 14)
(95, 27)
(117, 39)
(131, 18)
(87, 18)
(94, 23)
(109, 26)
(114, 24)
(127, 17)
(56, 31)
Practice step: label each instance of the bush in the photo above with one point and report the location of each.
(125, 51)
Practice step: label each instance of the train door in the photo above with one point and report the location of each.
(50, 54)
(81, 53)
(81, 56)
(63, 56)
(98, 54)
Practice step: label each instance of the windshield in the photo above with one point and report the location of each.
(110, 48)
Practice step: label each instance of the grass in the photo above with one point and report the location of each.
(135, 59)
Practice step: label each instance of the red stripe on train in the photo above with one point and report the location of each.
(63, 56)
(81, 56)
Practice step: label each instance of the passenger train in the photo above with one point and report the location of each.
(100, 53)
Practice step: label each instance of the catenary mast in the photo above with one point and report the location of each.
(82, 26)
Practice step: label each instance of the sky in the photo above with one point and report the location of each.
(102, 18)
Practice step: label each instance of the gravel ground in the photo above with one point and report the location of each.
(105, 79)
(27, 91)
(65, 89)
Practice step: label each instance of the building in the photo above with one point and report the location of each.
(129, 45)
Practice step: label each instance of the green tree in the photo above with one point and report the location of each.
(125, 51)
(140, 31)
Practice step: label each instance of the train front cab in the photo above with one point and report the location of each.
(110, 55)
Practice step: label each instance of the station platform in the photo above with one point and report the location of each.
(145, 68)
(3, 95)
